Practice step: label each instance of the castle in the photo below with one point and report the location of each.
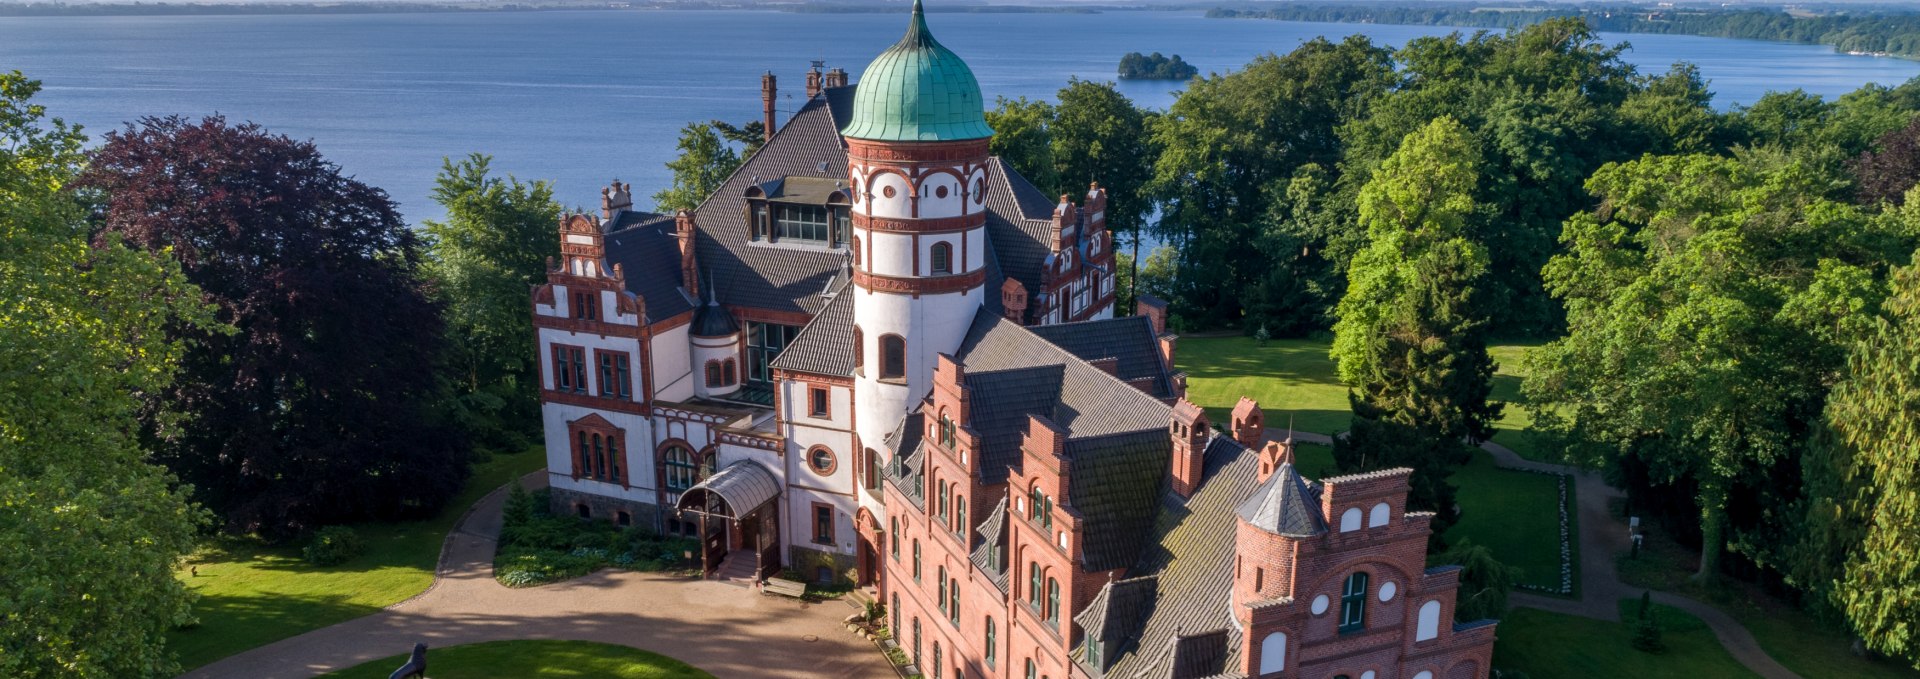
(877, 353)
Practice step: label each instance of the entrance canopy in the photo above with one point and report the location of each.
(743, 487)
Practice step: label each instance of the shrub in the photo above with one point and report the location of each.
(333, 545)
(1646, 630)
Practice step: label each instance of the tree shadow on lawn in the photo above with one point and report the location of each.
(231, 623)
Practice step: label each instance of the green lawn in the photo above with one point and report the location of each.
(253, 594)
(534, 660)
(1516, 515)
(1294, 381)
(1550, 645)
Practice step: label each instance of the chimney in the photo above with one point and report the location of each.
(1096, 207)
(814, 79)
(614, 199)
(1154, 308)
(768, 93)
(836, 78)
(1271, 457)
(1108, 365)
(1065, 216)
(1249, 426)
(683, 227)
(1013, 300)
(1189, 432)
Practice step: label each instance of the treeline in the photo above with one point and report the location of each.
(1731, 298)
(205, 326)
(1137, 66)
(1896, 34)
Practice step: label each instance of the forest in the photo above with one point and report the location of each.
(1882, 32)
(1137, 66)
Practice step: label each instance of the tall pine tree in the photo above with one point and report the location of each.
(1410, 339)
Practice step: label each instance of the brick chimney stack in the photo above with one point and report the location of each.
(1249, 425)
(769, 92)
(836, 78)
(614, 199)
(814, 79)
(1190, 433)
(683, 228)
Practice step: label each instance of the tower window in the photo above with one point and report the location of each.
(801, 222)
(893, 357)
(765, 341)
(942, 258)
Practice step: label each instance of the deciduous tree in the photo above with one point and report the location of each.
(1023, 136)
(1410, 339)
(1100, 136)
(483, 257)
(323, 406)
(705, 162)
(90, 531)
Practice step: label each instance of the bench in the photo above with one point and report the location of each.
(784, 587)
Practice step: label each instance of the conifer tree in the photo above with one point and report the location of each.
(1410, 339)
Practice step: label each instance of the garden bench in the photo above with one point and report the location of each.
(784, 587)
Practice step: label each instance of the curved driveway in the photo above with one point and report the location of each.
(726, 630)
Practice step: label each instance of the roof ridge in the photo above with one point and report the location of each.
(1368, 475)
(772, 135)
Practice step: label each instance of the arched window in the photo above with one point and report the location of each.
(894, 535)
(1350, 519)
(893, 357)
(680, 469)
(946, 430)
(709, 464)
(730, 372)
(1033, 582)
(936, 659)
(859, 348)
(1273, 653)
(599, 469)
(940, 586)
(1378, 516)
(873, 470)
(586, 457)
(1053, 601)
(895, 610)
(960, 517)
(942, 258)
(953, 604)
(1428, 626)
(714, 377)
(940, 501)
(916, 639)
(1353, 603)
(1031, 673)
(613, 459)
(916, 559)
(993, 642)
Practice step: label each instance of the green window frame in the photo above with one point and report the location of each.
(1353, 603)
(993, 642)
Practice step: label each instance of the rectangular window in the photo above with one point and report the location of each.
(822, 524)
(801, 222)
(615, 377)
(765, 341)
(841, 218)
(817, 401)
(623, 375)
(569, 369)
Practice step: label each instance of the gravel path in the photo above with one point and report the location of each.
(1602, 539)
(726, 630)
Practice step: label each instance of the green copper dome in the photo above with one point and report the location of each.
(917, 90)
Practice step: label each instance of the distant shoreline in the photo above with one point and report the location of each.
(62, 9)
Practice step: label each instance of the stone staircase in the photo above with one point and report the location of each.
(736, 569)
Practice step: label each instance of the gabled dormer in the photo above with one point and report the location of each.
(800, 211)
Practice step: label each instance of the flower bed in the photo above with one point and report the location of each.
(1566, 541)
(537, 547)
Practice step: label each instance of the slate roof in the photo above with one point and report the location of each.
(1285, 505)
(1116, 434)
(643, 245)
(1115, 613)
(808, 151)
(993, 542)
(1191, 566)
(1013, 372)
(1129, 339)
(825, 345)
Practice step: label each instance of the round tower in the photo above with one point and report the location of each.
(917, 166)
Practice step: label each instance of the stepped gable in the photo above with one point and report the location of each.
(1129, 339)
(825, 345)
(642, 244)
(1192, 568)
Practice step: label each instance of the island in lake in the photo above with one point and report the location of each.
(1136, 66)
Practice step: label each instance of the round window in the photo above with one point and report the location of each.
(940, 192)
(888, 192)
(1387, 591)
(821, 460)
(1320, 604)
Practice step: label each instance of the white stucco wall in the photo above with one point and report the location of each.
(672, 365)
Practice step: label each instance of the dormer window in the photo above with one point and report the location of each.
(801, 210)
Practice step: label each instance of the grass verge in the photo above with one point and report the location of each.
(1516, 515)
(1295, 382)
(1551, 645)
(253, 594)
(535, 660)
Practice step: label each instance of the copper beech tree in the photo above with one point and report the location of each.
(322, 403)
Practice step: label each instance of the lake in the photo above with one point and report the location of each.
(583, 97)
